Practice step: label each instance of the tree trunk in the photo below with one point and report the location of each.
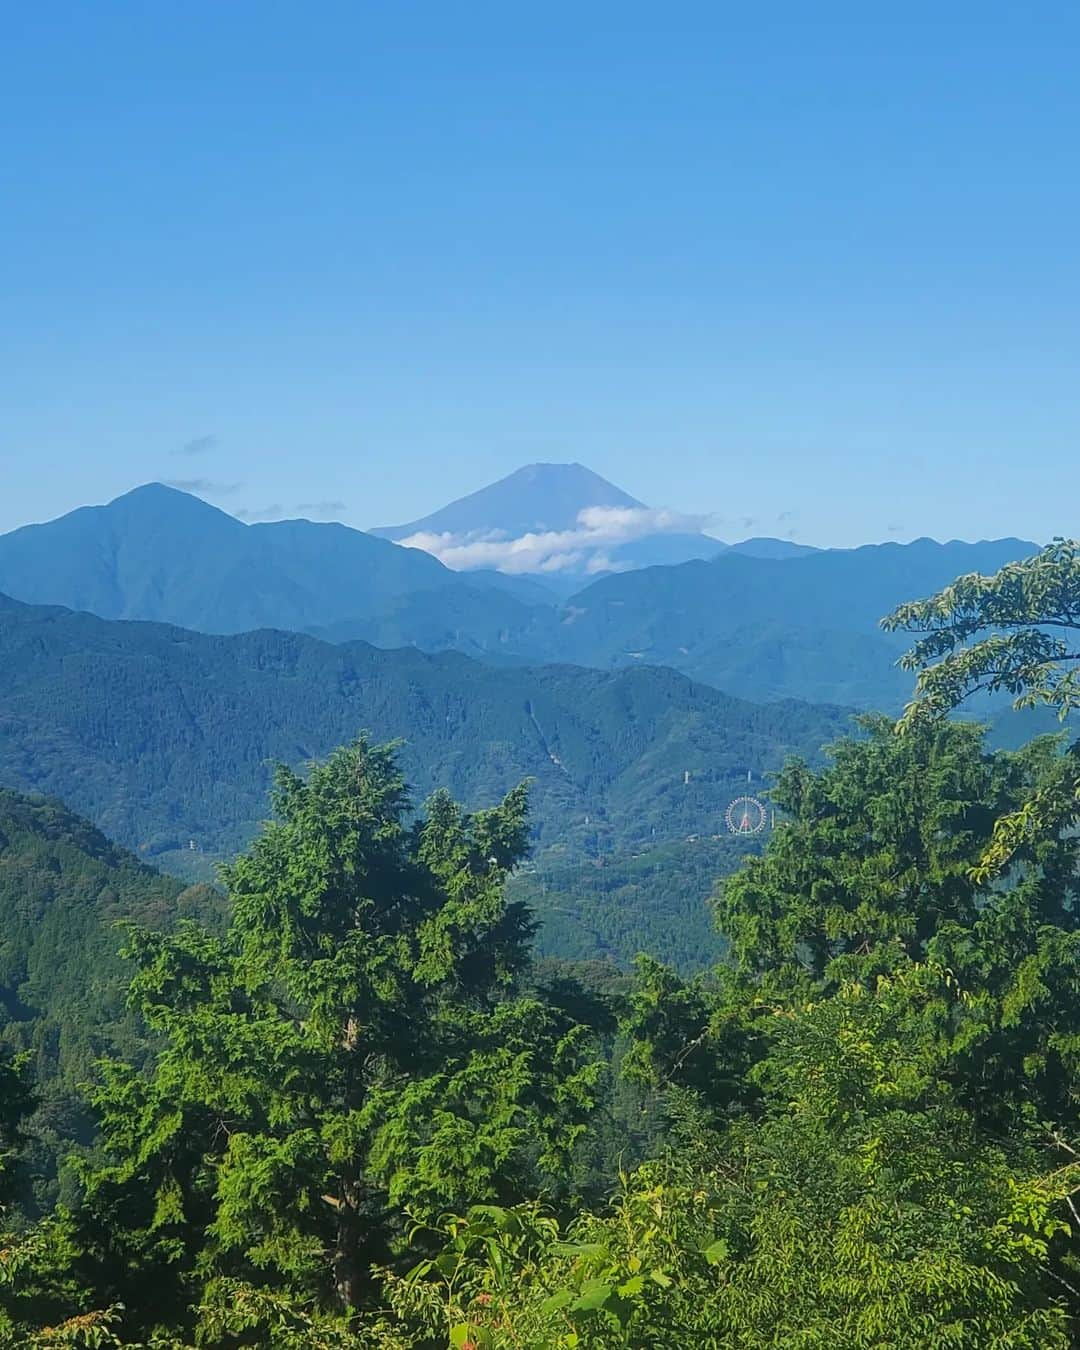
(348, 1272)
(348, 1268)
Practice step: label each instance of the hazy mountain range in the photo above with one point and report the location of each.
(763, 619)
(613, 693)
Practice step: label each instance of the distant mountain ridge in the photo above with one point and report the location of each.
(764, 628)
(159, 554)
(764, 619)
(763, 546)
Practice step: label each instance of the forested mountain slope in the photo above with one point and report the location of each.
(363, 1117)
(64, 888)
(164, 736)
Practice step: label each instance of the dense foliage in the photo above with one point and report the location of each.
(879, 865)
(352, 1042)
(871, 1140)
(862, 1208)
(652, 899)
(368, 1121)
(1016, 632)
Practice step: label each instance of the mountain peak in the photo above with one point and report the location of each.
(549, 520)
(158, 497)
(151, 490)
(535, 498)
(160, 553)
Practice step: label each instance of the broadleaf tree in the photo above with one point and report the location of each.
(1017, 631)
(862, 1208)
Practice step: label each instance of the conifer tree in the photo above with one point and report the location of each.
(354, 1044)
(16, 1103)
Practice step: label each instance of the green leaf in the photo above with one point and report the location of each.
(594, 1294)
(446, 1263)
(557, 1301)
(575, 1249)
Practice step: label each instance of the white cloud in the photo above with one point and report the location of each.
(600, 562)
(598, 529)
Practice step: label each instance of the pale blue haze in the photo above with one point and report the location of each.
(741, 260)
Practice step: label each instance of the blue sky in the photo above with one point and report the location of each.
(810, 267)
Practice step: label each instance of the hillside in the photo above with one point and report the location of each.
(760, 621)
(654, 898)
(63, 889)
(165, 737)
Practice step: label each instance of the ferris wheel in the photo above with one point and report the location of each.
(746, 815)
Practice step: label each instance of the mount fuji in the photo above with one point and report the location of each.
(559, 521)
